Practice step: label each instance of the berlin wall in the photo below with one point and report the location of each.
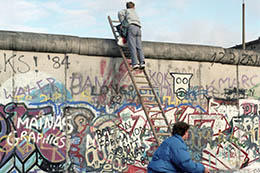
(67, 104)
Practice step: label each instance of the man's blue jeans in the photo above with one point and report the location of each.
(135, 44)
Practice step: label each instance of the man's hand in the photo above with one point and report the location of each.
(206, 170)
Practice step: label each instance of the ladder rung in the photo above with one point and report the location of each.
(144, 88)
(147, 95)
(140, 76)
(147, 88)
(141, 82)
(164, 134)
(127, 53)
(154, 111)
(157, 118)
(150, 103)
(126, 50)
(116, 21)
(161, 126)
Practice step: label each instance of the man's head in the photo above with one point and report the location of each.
(130, 5)
(181, 128)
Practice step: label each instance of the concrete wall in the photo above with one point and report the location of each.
(251, 45)
(67, 104)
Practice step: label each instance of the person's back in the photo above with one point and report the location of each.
(161, 161)
(173, 155)
(132, 17)
(134, 42)
(129, 16)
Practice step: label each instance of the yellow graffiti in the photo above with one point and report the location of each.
(45, 98)
(254, 135)
(54, 97)
(169, 101)
(6, 148)
(27, 147)
(18, 97)
(28, 97)
(22, 97)
(85, 94)
(13, 141)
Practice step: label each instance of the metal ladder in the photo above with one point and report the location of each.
(158, 121)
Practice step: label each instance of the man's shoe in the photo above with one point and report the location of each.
(136, 66)
(142, 65)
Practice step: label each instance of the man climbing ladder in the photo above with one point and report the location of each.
(149, 100)
(129, 19)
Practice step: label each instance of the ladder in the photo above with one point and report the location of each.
(142, 84)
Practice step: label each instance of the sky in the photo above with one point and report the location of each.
(200, 22)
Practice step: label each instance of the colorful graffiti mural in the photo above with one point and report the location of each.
(91, 121)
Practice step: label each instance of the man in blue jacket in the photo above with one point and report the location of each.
(172, 156)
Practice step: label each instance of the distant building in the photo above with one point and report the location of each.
(251, 45)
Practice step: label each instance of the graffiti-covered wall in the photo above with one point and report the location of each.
(80, 113)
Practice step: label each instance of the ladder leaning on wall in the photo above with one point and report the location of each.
(158, 121)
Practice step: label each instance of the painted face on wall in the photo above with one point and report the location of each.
(181, 84)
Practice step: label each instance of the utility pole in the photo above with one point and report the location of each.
(237, 72)
(243, 25)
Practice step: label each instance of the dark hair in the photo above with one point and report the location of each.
(130, 5)
(180, 128)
